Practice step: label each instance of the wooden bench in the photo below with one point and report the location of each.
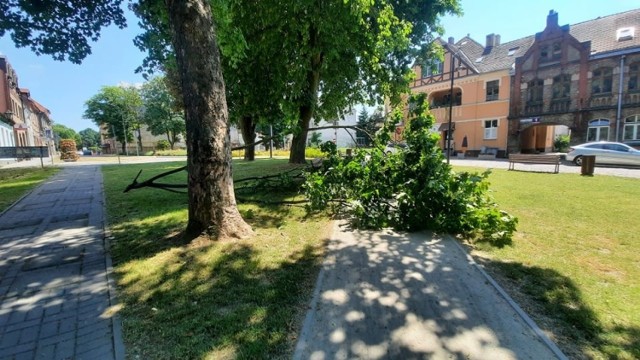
(534, 159)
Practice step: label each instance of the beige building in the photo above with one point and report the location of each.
(477, 100)
(148, 140)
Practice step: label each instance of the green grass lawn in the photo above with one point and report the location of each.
(575, 263)
(224, 300)
(574, 266)
(14, 183)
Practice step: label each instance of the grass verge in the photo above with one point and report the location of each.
(575, 262)
(223, 300)
(14, 183)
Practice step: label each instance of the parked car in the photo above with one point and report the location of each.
(606, 152)
(392, 147)
(633, 143)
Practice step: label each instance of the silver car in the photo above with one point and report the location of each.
(606, 153)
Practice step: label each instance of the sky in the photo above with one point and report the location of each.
(63, 87)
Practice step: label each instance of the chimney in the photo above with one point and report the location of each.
(451, 40)
(552, 19)
(491, 38)
(496, 41)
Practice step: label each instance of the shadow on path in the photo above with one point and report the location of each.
(407, 296)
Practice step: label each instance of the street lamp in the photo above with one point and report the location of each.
(453, 61)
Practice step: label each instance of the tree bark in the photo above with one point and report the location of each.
(212, 203)
(307, 108)
(248, 129)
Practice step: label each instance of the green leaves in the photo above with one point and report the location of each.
(59, 28)
(117, 108)
(413, 189)
(161, 112)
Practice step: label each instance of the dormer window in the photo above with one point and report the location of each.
(626, 33)
(432, 68)
(512, 51)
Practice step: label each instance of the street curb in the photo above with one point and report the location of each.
(308, 318)
(116, 322)
(545, 339)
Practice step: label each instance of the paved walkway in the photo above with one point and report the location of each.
(385, 295)
(55, 296)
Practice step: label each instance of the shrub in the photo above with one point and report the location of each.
(561, 143)
(68, 150)
(413, 189)
(314, 153)
(163, 145)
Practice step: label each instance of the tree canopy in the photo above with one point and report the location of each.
(59, 28)
(90, 137)
(117, 109)
(161, 113)
(64, 132)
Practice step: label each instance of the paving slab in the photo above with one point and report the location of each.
(55, 291)
(388, 295)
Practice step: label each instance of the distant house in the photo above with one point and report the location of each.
(343, 138)
(477, 100)
(149, 141)
(23, 120)
(520, 95)
(583, 76)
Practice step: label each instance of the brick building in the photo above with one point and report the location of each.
(583, 76)
(23, 120)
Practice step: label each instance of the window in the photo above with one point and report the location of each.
(490, 129)
(561, 86)
(544, 53)
(632, 128)
(598, 130)
(634, 73)
(512, 51)
(601, 81)
(493, 89)
(434, 67)
(534, 91)
(557, 51)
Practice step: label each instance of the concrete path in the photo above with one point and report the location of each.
(384, 295)
(56, 301)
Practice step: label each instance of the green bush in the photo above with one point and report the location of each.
(163, 145)
(312, 153)
(413, 189)
(561, 143)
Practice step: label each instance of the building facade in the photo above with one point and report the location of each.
(582, 76)
(470, 86)
(23, 120)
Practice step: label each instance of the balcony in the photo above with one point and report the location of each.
(602, 101)
(632, 98)
(560, 106)
(533, 108)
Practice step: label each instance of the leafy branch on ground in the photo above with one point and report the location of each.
(409, 190)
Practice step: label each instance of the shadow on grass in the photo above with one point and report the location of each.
(556, 300)
(218, 301)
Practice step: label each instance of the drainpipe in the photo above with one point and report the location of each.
(619, 112)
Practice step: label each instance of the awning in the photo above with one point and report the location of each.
(445, 126)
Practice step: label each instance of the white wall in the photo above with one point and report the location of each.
(343, 138)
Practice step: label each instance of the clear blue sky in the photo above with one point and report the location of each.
(63, 87)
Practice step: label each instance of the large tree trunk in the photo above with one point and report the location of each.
(307, 108)
(212, 203)
(248, 129)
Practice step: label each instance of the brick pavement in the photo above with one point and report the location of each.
(55, 296)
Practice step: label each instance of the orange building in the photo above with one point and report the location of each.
(481, 83)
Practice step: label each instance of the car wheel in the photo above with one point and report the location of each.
(578, 160)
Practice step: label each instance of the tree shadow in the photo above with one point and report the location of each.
(409, 296)
(237, 306)
(557, 304)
